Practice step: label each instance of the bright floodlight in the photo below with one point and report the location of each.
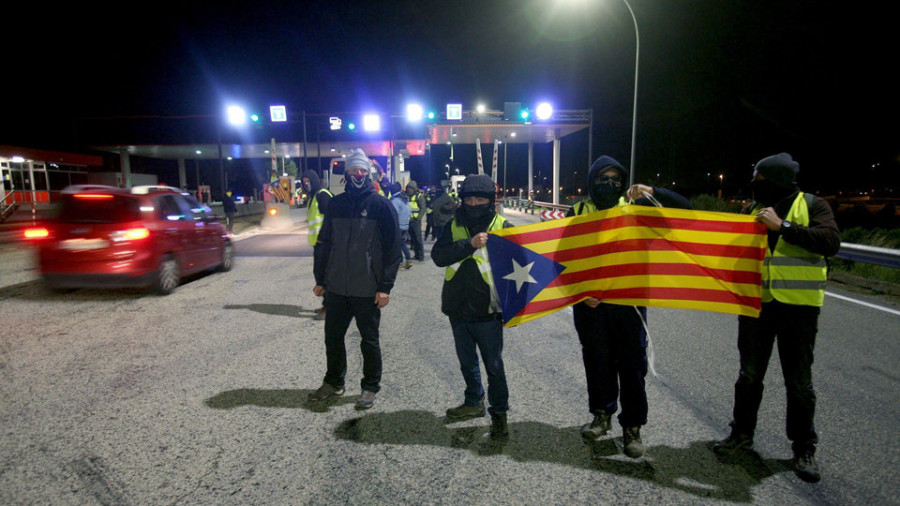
(480, 108)
(414, 112)
(371, 123)
(236, 115)
(544, 110)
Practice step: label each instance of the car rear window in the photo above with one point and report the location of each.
(106, 209)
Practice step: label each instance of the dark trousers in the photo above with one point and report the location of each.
(404, 235)
(429, 225)
(794, 328)
(339, 310)
(415, 238)
(487, 337)
(229, 221)
(614, 349)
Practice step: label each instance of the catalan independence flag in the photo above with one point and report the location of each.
(631, 255)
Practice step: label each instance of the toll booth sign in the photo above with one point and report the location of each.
(278, 113)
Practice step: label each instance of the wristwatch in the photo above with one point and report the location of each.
(785, 225)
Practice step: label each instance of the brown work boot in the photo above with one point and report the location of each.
(631, 438)
(596, 429)
(464, 412)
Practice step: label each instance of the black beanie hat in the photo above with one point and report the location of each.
(781, 169)
(478, 185)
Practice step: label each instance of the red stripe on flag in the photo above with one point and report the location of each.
(691, 248)
(601, 224)
(681, 294)
(656, 269)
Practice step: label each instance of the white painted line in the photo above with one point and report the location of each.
(848, 299)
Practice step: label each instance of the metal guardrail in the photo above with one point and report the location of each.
(887, 257)
(870, 254)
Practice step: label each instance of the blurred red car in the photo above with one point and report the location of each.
(148, 236)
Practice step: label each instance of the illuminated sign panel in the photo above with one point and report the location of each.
(454, 111)
(278, 113)
(334, 122)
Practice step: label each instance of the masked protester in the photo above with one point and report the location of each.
(802, 232)
(444, 207)
(356, 260)
(470, 303)
(401, 204)
(230, 210)
(417, 210)
(317, 201)
(613, 339)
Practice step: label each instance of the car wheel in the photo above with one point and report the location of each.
(227, 257)
(167, 277)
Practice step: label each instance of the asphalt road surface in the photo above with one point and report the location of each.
(199, 397)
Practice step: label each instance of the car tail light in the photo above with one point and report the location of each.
(36, 233)
(132, 234)
(93, 196)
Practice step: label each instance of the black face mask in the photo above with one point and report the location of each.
(477, 213)
(605, 195)
(768, 193)
(357, 184)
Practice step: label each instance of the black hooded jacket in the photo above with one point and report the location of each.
(665, 197)
(315, 184)
(358, 252)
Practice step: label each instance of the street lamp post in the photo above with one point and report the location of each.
(637, 50)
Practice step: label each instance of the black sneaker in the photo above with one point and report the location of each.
(596, 429)
(631, 439)
(324, 392)
(499, 428)
(805, 467)
(464, 412)
(735, 442)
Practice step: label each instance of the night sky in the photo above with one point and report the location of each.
(722, 83)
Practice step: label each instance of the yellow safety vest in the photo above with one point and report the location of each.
(791, 274)
(314, 218)
(480, 256)
(414, 207)
(587, 206)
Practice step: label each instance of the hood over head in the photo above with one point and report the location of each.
(606, 195)
(315, 184)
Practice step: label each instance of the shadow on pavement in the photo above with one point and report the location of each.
(695, 469)
(280, 398)
(277, 309)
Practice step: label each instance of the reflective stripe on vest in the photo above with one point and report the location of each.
(314, 218)
(480, 256)
(791, 274)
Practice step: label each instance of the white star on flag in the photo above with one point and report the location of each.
(521, 275)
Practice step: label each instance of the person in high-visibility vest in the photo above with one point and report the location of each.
(429, 214)
(802, 233)
(318, 199)
(417, 210)
(469, 299)
(613, 337)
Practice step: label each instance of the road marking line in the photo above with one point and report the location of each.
(848, 299)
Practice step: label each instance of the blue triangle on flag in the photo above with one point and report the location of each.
(519, 274)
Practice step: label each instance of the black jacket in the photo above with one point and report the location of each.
(466, 296)
(821, 236)
(358, 252)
